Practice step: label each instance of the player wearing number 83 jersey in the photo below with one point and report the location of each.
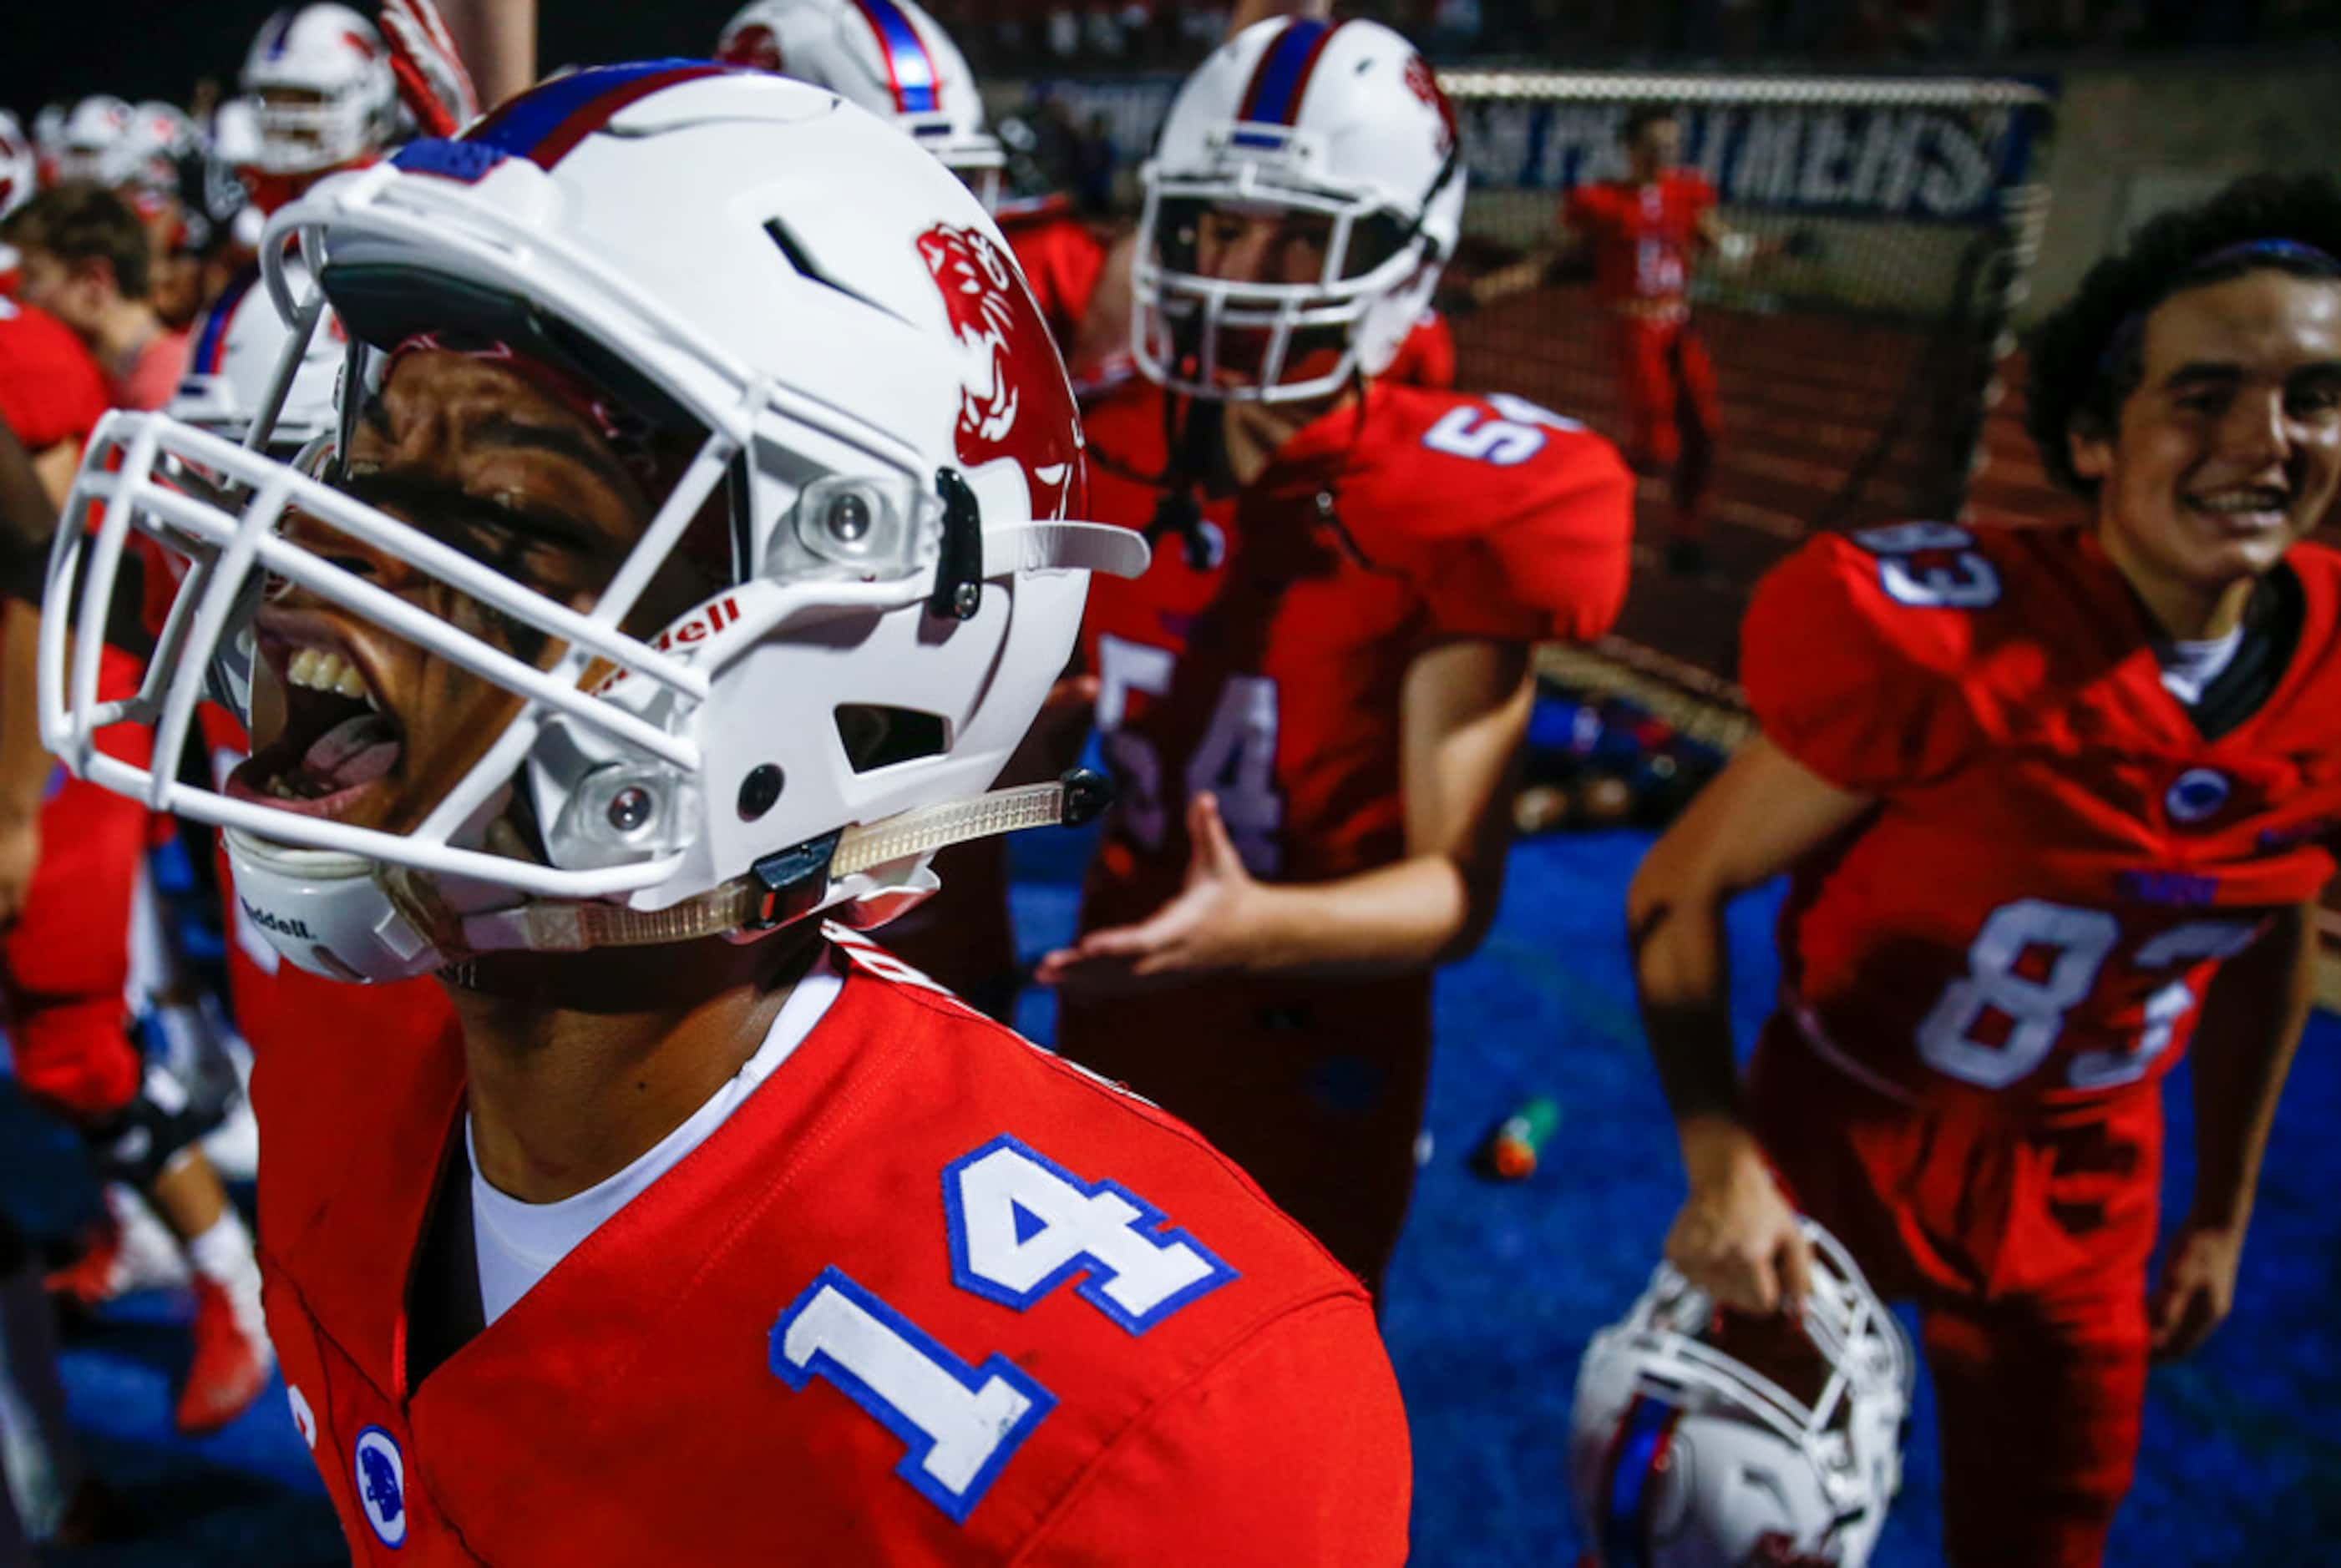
(2063, 858)
(2055, 806)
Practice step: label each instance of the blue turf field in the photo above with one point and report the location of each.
(1494, 1289)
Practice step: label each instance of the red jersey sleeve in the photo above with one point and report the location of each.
(1858, 686)
(50, 390)
(1555, 562)
(1426, 355)
(1062, 260)
(1292, 1449)
(1697, 196)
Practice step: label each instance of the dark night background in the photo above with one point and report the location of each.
(61, 51)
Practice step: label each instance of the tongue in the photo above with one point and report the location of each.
(355, 752)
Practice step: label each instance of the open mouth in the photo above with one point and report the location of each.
(337, 743)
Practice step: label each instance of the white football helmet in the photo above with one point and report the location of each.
(19, 178)
(96, 144)
(233, 364)
(19, 171)
(321, 78)
(1708, 1441)
(49, 139)
(1338, 120)
(887, 55)
(886, 454)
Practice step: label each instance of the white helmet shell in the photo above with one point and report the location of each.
(1342, 120)
(1683, 1455)
(838, 323)
(321, 78)
(97, 144)
(19, 169)
(234, 363)
(890, 57)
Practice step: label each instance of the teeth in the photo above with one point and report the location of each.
(321, 669)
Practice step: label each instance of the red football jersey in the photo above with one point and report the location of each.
(1426, 355)
(1270, 671)
(2059, 859)
(1643, 236)
(1061, 258)
(929, 1296)
(50, 389)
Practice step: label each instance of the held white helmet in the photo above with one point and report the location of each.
(232, 369)
(821, 333)
(1709, 1440)
(887, 55)
(321, 79)
(1340, 124)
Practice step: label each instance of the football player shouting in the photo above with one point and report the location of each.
(2056, 803)
(1312, 698)
(693, 550)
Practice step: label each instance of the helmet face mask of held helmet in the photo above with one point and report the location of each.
(1708, 1440)
(888, 56)
(762, 668)
(1335, 137)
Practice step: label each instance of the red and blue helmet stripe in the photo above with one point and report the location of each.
(1636, 1457)
(1281, 80)
(911, 73)
(544, 125)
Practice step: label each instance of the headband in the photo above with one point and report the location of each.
(2132, 326)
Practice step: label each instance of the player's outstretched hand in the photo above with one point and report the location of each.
(432, 81)
(2197, 1288)
(1737, 1239)
(1209, 929)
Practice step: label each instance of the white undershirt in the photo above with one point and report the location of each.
(2188, 667)
(516, 1243)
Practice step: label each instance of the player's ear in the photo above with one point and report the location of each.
(2091, 448)
(93, 275)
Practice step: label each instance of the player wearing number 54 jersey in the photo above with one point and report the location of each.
(638, 617)
(1312, 698)
(2056, 804)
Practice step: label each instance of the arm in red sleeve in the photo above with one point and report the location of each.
(1292, 1450)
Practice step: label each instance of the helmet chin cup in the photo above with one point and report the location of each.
(327, 912)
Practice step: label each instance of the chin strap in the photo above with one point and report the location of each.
(783, 887)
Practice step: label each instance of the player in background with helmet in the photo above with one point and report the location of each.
(1313, 699)
(649, 615)
(327, 87)
(1702, 1438)
(2057, 803)
(70, 856)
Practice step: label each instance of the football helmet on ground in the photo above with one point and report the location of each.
(814, 372)
(1704, 1439)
